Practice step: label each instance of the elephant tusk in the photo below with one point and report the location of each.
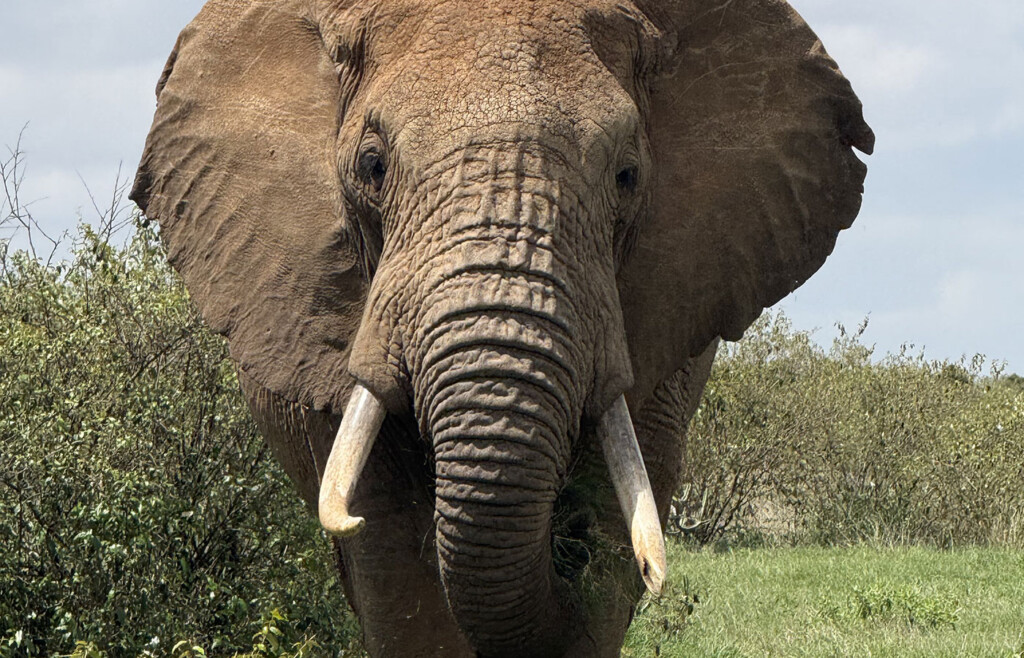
(359, 427)
(633, 488)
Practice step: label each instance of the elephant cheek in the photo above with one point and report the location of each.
(377, 358)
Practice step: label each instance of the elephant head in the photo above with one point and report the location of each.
(497, 218)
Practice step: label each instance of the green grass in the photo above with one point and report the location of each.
(836, 602)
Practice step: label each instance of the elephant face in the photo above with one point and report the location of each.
(495, 180)
(498, 218)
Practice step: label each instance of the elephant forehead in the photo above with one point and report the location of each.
(478, 65)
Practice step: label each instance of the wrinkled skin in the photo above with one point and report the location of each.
(498, 217)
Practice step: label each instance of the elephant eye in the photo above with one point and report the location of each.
(628, 178)
(372, 160)
(371, 169)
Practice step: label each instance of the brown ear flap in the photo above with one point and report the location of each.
(751, 134)
(240, 169)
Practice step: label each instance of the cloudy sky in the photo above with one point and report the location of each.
(935, 259)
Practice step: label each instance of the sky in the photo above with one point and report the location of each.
(934, 261)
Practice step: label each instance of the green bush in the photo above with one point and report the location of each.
(796, 442)
(139, 507)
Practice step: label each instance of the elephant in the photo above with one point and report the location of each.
(473, 260)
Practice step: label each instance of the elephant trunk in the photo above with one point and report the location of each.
(498, 389)
(500, 431)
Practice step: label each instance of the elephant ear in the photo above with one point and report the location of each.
(751, 128)
(240, 169)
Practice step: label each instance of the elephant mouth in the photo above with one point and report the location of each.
(361, 424)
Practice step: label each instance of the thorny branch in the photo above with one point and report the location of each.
(16, 216)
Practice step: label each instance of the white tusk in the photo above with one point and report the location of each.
(633, 488)
(359, 427)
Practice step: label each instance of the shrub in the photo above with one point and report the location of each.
(835, 446)
(138, 504)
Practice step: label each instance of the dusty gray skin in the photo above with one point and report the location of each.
(498, 217)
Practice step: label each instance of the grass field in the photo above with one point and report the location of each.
(836, 602)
